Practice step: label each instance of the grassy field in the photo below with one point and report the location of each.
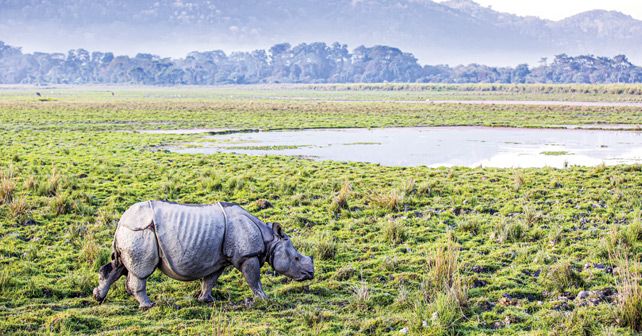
(431, 251)
(359, 92)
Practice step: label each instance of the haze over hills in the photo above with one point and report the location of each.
(452, 32)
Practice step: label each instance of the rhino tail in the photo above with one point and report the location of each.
(115, 255)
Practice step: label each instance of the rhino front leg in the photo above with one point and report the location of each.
(207, 283)
(138, 287)
(251, 269)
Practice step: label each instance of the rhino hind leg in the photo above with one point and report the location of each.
(139, 254)
(207, 283)
(138, 287)
(127, 290)
(107, 275)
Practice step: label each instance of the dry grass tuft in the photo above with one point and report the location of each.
(444, 274)
(509, 230)
(345, 272)
(221, 322)
(7, 189)
(340, 201)
(53, 184)
(394, 231)
(441, 307)
(90, 249)
(19, 210)
(392, 200)
(31, 183)
(561, 276)
(60, 204)
(325, 246)
(518, 180)
(409, 186)
(532, 216)
(629, 306)
(361, 294)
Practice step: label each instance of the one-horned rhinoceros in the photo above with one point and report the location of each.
(190, 242)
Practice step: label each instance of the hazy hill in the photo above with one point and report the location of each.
(458, 31)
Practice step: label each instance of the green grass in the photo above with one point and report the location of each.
(437, 251)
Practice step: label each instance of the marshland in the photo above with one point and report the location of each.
(426, 250)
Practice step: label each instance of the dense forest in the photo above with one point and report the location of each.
(303, 63)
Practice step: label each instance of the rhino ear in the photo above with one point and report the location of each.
(276, 227)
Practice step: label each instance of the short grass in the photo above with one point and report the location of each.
(431, 251)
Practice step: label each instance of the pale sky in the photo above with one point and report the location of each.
(559, 9)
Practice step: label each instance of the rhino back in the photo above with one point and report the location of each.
(190, 238)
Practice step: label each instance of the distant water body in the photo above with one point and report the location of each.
(439, 146)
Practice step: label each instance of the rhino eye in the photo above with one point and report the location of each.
(296, 258)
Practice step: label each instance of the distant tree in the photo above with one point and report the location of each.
(303, 63)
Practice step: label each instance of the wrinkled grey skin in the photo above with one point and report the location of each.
(190, 242)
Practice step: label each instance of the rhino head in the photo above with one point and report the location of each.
(286, 260)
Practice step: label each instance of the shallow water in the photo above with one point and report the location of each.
(439, 146)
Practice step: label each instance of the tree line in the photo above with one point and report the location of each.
(303, 63)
